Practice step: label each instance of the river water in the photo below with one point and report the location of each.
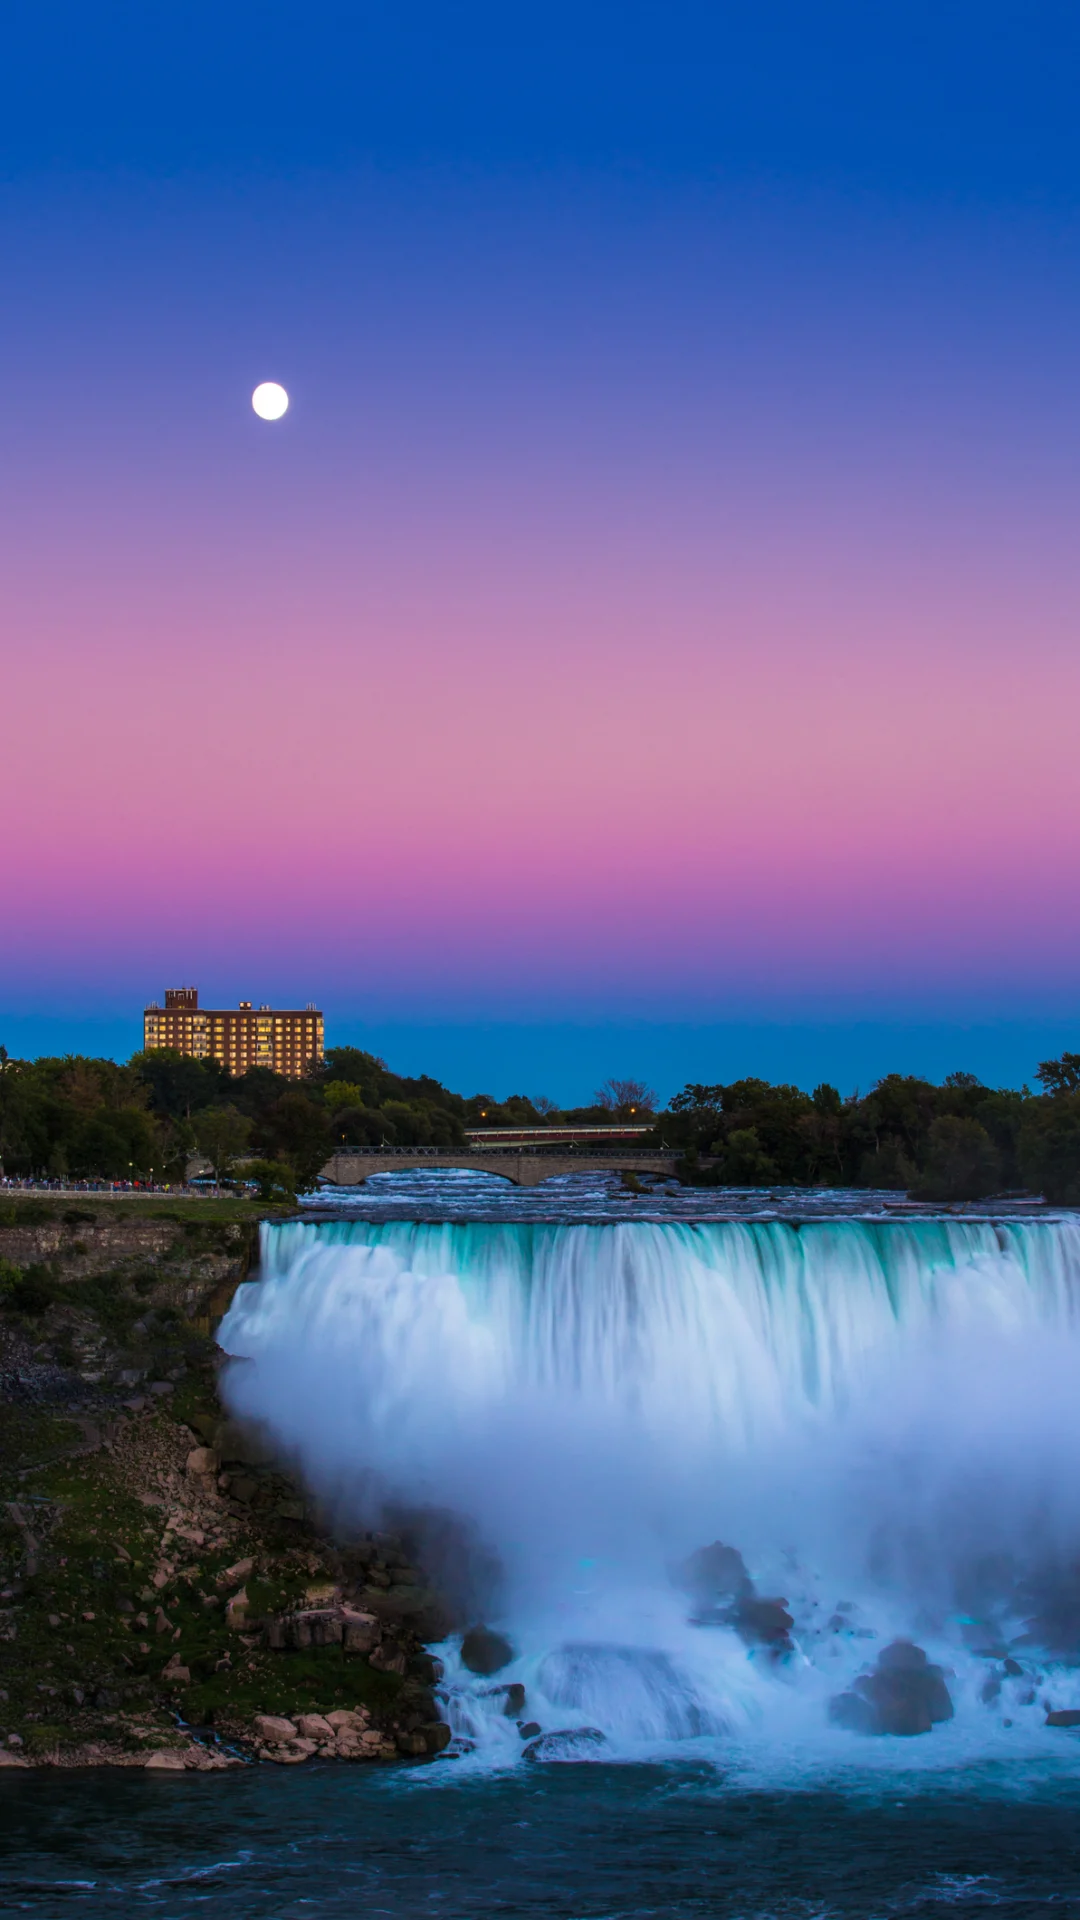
(588, 1843)
(876, 1406)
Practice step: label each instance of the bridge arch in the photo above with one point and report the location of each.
(523, 1169)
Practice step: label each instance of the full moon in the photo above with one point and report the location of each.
(269, 400)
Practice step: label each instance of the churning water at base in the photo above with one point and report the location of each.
(882, 1418)
(554, 1843)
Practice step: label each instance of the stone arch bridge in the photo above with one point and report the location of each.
(524, 1166)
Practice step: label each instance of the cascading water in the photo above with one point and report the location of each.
(882, 1418)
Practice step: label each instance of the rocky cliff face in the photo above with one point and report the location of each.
(168, 1594)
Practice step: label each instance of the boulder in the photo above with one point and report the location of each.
(317, 1627)
(426, 1668)
(566, 1743)
(418, 1608)
(854, 1714)
(388, 1657)
(361, 1632)
(314, 1726)
(512, 1695)
(485, 1652)
(166, 1761)
(236, 1575)
(356, 1717)
(529, 1729)
(238, 1444)
(274, 1727)
(437, 1736)
(314, 1627)
(236, 1611)
(418, 1702)
(717, 1581)
(905, 1695)
(763, 1623)
(202, 1460)
(1063, 1717)
(714, 1574)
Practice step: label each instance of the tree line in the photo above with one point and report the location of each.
(957, 1141)
(86, 1118)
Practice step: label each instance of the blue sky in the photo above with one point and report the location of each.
(763, 315)
(967, 102)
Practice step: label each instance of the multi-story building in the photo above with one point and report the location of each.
(240, 1037)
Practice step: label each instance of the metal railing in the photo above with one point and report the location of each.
(480, 1136)
(502, 1150)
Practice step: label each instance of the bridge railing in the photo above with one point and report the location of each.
(500, 1150)
(552, 1136)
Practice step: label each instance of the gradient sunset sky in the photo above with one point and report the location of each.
(649, 643)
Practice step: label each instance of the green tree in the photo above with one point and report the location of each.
(962, 1162)
(1050, 1148)
(743, 1161)
(826, 1100)
(297, 1129)
(222, 1135)
(411, 1124)
(110, 1145)
(257, 1090)
(274, 1179)
(177, 1085)
(888, 1166)
(343, 1093)
(177, 1144)
(1061, 1075)
(378, 1085)
(697, 1098)
(362, 1127)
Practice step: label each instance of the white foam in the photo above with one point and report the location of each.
(863, 1410)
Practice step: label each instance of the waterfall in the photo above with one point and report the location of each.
(879, 1416)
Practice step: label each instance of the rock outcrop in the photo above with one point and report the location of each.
(905, 1695)
(156, 1561)
(485, 1652)
(723, 1595)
